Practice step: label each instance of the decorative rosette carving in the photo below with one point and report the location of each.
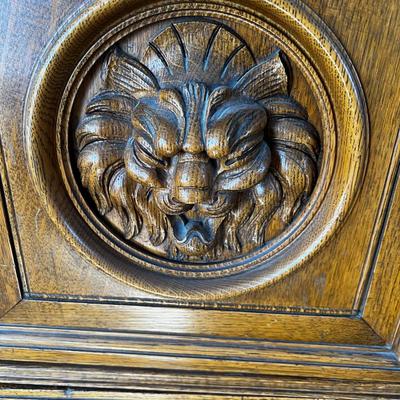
(198, 148)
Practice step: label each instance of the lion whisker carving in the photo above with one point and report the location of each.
(201, 159)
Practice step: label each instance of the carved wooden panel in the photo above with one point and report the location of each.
(197, 199)
(199, 162)
(207, 163)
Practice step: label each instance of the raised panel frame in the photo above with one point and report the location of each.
(63, 338)
(333, 286)
(231, 353)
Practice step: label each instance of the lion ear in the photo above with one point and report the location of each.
(266, 79)
(124, 73)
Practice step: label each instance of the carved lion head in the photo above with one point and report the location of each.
(202, 164)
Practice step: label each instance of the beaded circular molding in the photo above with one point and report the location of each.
(196, 150)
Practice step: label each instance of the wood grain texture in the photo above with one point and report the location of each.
(196, 162)
(382, 307)
(9, 285)
(185, 348)
(85, 377)
(132, 346)
(83, 395)
(282, 264)
(125, 354)
(19, 17)
(295, 328)
(86, 395)
(349, 22)
(88, 281)
(9, 393)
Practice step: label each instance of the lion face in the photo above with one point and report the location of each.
(197, 149)
(203, 170)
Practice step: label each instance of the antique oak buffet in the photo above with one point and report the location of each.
(200, 199)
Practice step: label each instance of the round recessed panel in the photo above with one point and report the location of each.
(198, 150)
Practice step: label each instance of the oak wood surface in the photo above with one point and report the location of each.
(84, 377)
(364, 30)
(133, 337)
(196, 174)
(191, 346)
(327, 283)
(86, 395)
(198, 353)
(383, 301)
(83, 395)
(329, 330)
(317, 329)
(9, 285)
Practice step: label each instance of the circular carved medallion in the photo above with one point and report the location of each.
(196, 150)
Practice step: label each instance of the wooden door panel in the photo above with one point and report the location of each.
(64, 259)
(325, 284)
(115, 112)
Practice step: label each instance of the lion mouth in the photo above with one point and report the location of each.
(186, 229)
(195, 226)
(194, 236)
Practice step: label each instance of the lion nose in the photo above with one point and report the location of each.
(192, 179)
(193, 144)
(195, 95)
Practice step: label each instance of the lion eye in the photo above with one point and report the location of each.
(241, 156)
(145, 155)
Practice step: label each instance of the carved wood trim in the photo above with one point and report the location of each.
(295, 388)
(382, 299)
(305, 328)
(220, 305)
(368, 349)
(134, 335)
(100, 395)
(132, 339)
(10, 293)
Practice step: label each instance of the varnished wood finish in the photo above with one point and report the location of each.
(297, 328)
(324, 324)
(337, 105)
(195, 161)
(9, 285)
(383, 301)
(85, 395)
(330, 290)
(98, 395)
(247, 385)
